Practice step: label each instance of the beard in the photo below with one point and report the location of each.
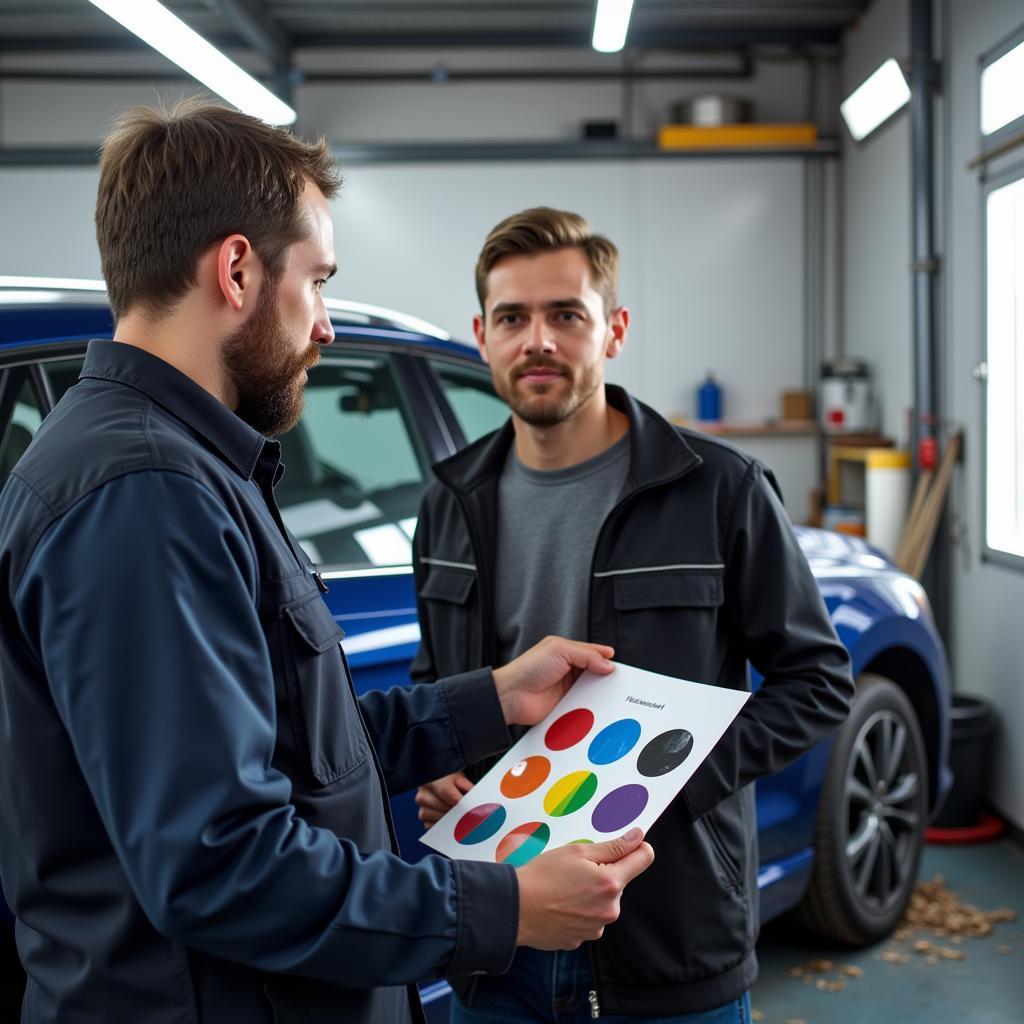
(547, 405)
(267, 373)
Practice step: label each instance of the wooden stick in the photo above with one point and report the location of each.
(932, 509)
(910, 527)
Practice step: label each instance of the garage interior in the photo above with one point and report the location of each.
(823, 302)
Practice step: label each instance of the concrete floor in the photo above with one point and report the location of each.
(987, 987)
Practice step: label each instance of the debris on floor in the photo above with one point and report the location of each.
(822, 968)
(935, 909)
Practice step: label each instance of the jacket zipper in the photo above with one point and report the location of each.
(592, 997)
(595, 1004)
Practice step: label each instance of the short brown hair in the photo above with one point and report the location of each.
(542, 229)
(173, 182)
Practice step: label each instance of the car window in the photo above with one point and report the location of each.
(19, 430)
(62, 373)
(471, 396)
(354, 472)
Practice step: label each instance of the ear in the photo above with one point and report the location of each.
(239, 271)
(618, 328)
(481, 340)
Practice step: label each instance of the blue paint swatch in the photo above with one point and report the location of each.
(614, 741)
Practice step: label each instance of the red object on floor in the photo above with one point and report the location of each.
(988, 827)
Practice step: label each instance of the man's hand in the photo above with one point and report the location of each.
(436, 798)
(568, 895)
(536, 681)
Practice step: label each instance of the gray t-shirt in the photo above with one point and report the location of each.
(548, 521)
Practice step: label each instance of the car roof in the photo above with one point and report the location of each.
(39, 310)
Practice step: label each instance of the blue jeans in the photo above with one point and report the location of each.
(558, 988)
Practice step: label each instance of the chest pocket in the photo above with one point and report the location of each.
(702, 589)
(448, 585)
(325, 718)
(451, 619)
(668, 621)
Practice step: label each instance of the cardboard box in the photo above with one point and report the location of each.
(797, 405)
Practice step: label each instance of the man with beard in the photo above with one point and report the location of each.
(192, 800)
(590, 516)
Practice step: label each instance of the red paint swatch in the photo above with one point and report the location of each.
(568, 730)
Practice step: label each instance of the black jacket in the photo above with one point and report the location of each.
(695, 572)
(193, 815)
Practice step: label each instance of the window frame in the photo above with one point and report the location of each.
(989, 57)
(454, 426)
(992, 183)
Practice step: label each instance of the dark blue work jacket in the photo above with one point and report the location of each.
(193, 803)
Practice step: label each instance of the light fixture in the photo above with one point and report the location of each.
(1002, 90)
(611, 23)
(875, 100)
(169, 35)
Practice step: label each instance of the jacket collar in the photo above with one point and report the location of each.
(233, 439)
(657, 451)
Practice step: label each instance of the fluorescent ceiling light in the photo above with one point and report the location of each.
(1002, 90)
(611, 23)
(169, 35)
(876, 100)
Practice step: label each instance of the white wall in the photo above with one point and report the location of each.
(877, 321)
(986, 599)
(711, 258)
(712, 248)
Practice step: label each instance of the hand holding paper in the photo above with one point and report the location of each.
(611, 755)
(567, 896)
(531, 685)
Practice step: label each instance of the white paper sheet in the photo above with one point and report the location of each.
(612, 755)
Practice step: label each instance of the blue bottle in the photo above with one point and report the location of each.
(709, 400)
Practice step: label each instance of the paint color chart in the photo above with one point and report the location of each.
(613, 754)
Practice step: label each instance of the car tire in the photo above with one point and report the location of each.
(871, 819)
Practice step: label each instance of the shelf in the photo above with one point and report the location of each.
(763, 428)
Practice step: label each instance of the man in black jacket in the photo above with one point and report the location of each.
(589, 515)
(193, 814)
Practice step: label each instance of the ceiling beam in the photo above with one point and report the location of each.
(257, 29)
(682, 38)
(254, 26)
(92, 43)
(666, 39)
(376, 153)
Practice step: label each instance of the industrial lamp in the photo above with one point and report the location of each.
(165, 32)
(611, 23)
(875, 100)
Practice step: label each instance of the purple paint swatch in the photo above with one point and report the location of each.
(619, 808)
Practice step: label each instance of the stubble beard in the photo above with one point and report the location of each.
(547, 408)
(267, 374)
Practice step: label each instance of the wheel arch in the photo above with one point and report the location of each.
(927, 689)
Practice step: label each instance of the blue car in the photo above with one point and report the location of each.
(841, 829)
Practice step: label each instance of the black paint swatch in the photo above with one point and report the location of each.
(664, 753)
